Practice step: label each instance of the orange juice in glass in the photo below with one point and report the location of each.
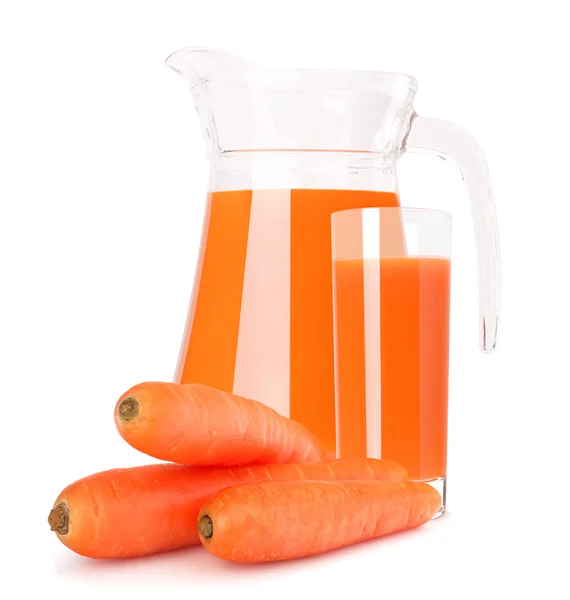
(391, 283)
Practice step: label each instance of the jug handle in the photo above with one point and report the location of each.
(451, 142)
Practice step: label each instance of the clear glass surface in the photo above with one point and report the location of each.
(391, 284)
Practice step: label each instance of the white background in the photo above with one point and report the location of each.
(102, 184)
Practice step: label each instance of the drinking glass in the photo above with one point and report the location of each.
(391, 284)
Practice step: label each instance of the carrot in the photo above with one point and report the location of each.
(279, 521)
(143, 510)
(197, 424)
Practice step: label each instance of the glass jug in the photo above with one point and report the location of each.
(288, 148)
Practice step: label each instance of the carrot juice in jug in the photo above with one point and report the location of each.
(260, 322)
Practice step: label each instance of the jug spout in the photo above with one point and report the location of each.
(199, 65)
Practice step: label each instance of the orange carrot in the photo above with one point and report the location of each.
(143, 510)
(197, 424)
(279, 521)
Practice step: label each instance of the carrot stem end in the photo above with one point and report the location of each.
(205, 527)
(129, 409)
(58, 519)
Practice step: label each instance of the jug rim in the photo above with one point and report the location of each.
(361, 74)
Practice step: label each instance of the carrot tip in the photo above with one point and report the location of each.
(58, 519)
(205, 527)
(129, 409)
